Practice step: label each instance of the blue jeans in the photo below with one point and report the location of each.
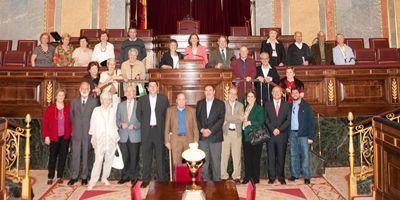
(299, 155)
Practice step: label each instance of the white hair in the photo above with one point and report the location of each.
(133, 50)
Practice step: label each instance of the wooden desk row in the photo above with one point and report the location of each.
(331, 90)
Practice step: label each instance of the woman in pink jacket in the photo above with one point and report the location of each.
(195, 51)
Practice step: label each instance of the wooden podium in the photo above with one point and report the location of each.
(191, 64)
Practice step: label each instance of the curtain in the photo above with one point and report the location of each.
(215, 16)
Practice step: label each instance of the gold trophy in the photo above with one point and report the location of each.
(194, 158)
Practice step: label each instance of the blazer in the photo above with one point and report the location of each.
(216, 57)
(294, 54)
(201, 54)
(50, 123)
(143, 113)
(80, 116)
(257, 120)
(214, 122)
(279, 48)
(316, 54)
(122, 117)
(281, 122)
(167, 59)
(339, 59)
(306, 120)
(171, 124)
(236, 66)
(131, 71)
(275, 79)
(233, 118)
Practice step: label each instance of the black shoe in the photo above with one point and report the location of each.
(122, 181)
(292, 178)
(72, 181)
(271, 181)
(245, 181)
(144, 184)
(283, 182)
(84, 182)
(307, 181)
(134, 181)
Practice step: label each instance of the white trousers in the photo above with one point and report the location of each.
(103, 158)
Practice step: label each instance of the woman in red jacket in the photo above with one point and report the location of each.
(56, 130)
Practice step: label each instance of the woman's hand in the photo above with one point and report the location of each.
(47, 140)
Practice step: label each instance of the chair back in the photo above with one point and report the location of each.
(182, 173)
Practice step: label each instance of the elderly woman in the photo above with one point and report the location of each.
(109, 81)
(56, 130)
(253, 120)
(42, 55)
(63, 52)
(133, 68)
(104, 132)
(170, 59)
(103, 51)
(82, 55)
(195, 51)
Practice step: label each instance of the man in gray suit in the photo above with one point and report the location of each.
(221, 57)
(129, 133)
(80, 114)
(151, 111)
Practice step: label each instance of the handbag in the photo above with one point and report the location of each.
(118, 162)
(259, 136)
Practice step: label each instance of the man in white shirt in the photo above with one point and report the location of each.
(232, 130)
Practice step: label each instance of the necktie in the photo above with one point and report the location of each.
(129, 110)
(277, 109)
(223, 55)
(83, 103)
(243, 68)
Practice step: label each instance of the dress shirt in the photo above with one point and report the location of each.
(175, 61)
(232, 104)
(132, 40)
(84, 101)
(265, 70)
(299, 45)
(208, 105)
(273, 46)
(295, 119)
(129, 109)
(322, 51)
(181, 120)
(153, 100)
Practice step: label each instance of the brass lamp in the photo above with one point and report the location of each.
(194, 157)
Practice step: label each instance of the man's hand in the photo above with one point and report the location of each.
(310, 141)
(268, 79)
(276, 132)
(248, 79)
(131, 127)
(168, 145)
(305, 62)
(218, 66)
(124, 125)
(206, 132)
(281, 64)
(288, 90)
(260, 78)
(47, 140)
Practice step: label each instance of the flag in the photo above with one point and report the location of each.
(142, 14)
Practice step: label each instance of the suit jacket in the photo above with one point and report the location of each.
(233, 118)
(171, 124)
(294, 54)
(167, 59)
(266, 93)
(316, 54)
(143, 113)
(236, 66)
(306, 120)
(214, 122)
(80, 117)
(130, 72)
(201, 54)
(122, 117)
(280, 51)
(338, 58)
(216, 57)
(282, 122)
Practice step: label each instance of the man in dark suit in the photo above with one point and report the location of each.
(210, 113)
(221, 57)
(268, 77)
(80, 114)
(277, 119)
(151, 111)
(322, 51)
(298, 53)
(243, 69)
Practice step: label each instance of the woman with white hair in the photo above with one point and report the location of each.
(104, 132)
(133, 68)
(109, 81)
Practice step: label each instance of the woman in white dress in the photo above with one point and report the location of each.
(111, 78)
(103, 50)
(104, 132)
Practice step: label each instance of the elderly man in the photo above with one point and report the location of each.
(129, 132)
(243, 69)
(322, 51)
(277, 119)
(343, 54)
(221, 57)
(267, 76)
(298, 53)
(232, 130)
(80, 113)
(151, 111)
(133, 68)
(104, 132)
(180, 128)
(132, 42)
(210, 113)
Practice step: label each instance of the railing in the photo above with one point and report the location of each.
(364, 135)
(12, 160)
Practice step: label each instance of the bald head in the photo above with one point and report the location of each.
(321, 36)
(243, 52)
(181, 100)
